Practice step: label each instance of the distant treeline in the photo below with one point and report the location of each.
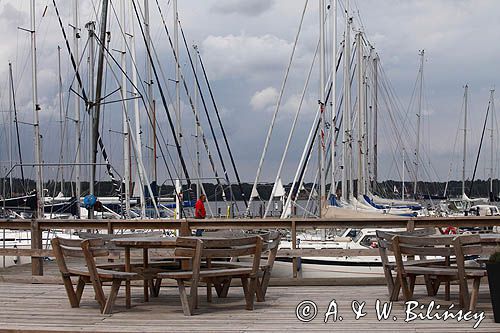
(388, 188)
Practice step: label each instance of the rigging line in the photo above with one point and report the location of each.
(205, 143)
(479, 150)
(314, 130)
(278, 103)
(224, 170)
(17, 127)
(292, 130)
(148, 114)
(84, 95)
(172, 127)
(222, 128)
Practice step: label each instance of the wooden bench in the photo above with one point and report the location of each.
(208, 249)
(270, 245)
(88, 249)
(384, 243)
(441, 246)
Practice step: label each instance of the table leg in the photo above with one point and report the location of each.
(128, 302)
(146, 282)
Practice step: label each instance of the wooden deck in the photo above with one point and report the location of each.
(44, 307)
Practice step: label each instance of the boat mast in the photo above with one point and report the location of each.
(78, 137)
(492, 121)
(11, 159)
(333, 99)
(126, 136)
(321, 140)
(419, 116)
(178, 185)
(465, 139)
(36, 110)
(137, 116)
(149, 82)
(346, 139)
(61, 118)
(90, 60)
(197, 130)
(375, 122)
(361, 100)
(403, 178)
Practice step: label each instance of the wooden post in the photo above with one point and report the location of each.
(36, 244)
(110, 228)
(410, 225)
(294, 246)
(185, 230)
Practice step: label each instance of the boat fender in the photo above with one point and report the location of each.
(450, 231)
(89, 201)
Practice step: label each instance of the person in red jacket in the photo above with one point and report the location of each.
(200, 212)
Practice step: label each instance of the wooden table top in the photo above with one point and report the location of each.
(145, 242)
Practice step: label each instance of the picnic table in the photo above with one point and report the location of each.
(144, 243)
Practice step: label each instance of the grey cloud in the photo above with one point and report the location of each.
(243, 7)
(12, 15)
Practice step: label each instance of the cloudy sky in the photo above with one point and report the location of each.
(245, 47)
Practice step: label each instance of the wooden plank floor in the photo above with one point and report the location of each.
(44, 307)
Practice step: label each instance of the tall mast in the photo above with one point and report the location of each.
(321, 145)
(36, 109)
(197, 129)
(177, 102)
(365, 137)
(419, 116)
(11, 120)
(99, 86)
(333, 17)
(90, 61)
(375, 122)
(465, 139)
(78, 137)
(149, 82)
(61, 118)
(403, 178)
(126, 136)
(361, 100)
(346, 135)
(177, 75)
(492, 122)
(137, 116)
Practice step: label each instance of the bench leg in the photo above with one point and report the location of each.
(464, 293)
(404, 285)
(394, 295)
(79, 289)
(108, 308)
(72, 297)
(157, 286)
(429, 286)
(248, 293)
(209, 291)
(474, 294)
(412, 283)
(186, 308)
(265, 280)
(259, 292)
(225, 288)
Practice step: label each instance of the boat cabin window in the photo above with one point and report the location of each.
(369, 241)
(353, 233)
(357, 236)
